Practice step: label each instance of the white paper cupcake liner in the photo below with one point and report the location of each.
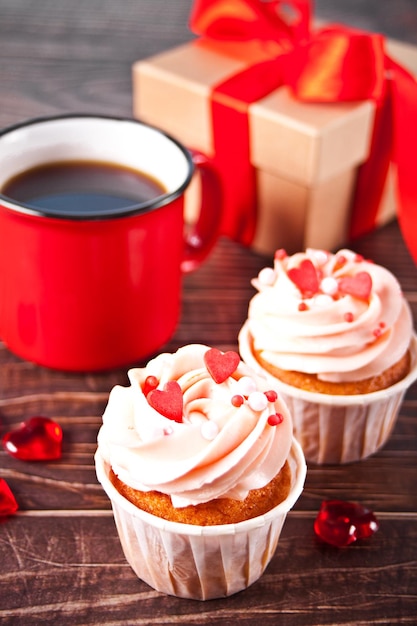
(200, 562)
(337, 429)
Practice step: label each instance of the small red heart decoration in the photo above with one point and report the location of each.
(305, 277)
(359, 286)
(341, 523)
(167, 401)
(8, 504)
(37, 439)
(221, 365)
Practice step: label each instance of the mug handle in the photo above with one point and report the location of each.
(203, 234)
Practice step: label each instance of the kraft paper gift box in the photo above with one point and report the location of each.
(305, 155)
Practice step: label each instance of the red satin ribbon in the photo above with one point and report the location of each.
(404, 97)
(229, 107)
(331, 65)
(246, 20)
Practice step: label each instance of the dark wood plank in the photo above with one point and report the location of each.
(71, 570)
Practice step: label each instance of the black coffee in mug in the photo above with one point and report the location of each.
(96, 187)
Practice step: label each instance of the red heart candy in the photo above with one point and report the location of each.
(38, 439)
(167, 401)
(8, 504)
(305, 277)
(221, 365)
(341, 523)
(359, 286)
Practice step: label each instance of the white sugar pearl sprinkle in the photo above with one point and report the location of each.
(329, 285)
(320, 256)
(245, 385)
(209, 430)
(258, 401)
(267, 276)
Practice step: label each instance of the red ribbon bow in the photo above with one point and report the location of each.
(334, 64)
(244, 20)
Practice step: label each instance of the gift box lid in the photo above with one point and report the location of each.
(172, 90)
(307, 142)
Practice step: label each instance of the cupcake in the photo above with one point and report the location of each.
(334, 333)
(198, 458)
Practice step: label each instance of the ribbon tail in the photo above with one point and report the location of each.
(404, 89)
(373, 173)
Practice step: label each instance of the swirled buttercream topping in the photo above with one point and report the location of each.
(196, 425)
(335, 315)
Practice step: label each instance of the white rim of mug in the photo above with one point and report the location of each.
(126, 211)
(102, 470)
(245, 348)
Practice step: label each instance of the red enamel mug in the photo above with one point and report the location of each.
(94, 288)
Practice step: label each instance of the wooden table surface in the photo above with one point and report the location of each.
(60, 558)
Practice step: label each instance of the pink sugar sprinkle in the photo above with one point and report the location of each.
(271, 395)
(151, 383)
(275, 419)
(280, 254)
(237, 400)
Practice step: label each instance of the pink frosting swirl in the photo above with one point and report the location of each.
(231, 436)
(335, 315)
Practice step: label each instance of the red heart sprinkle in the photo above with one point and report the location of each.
(37, 439)
(167, 401)
(221, 365)
(341, 523)
(305, 277)
(359, 286)
(8, 504)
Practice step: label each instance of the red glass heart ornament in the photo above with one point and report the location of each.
(37, 439)
(305, 277)
(221, 365)
(167, 401)
(340, 523)
(359, 286)
(8, 504)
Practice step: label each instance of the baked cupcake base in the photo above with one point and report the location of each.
(335, 428)
(215, 512)
(200, 562)
(311, 382)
